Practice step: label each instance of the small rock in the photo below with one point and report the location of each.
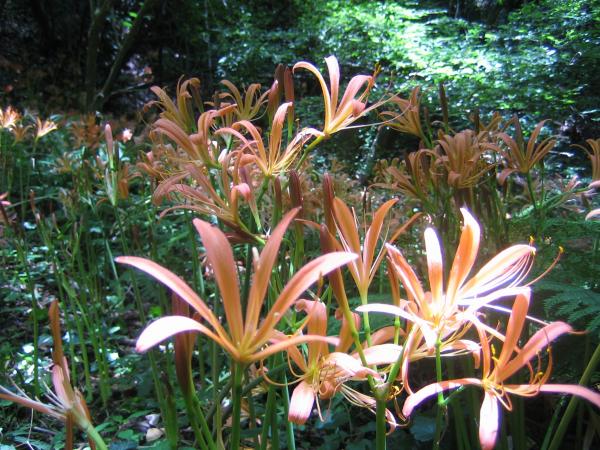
(153, 434)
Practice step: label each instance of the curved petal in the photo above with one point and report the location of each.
(326, 96)
(346, 225)
(177, 285)
(574, 389)
(276, 131)
(406, 273)
(262, 274)
(465, 254)
(168, 326)
(488, 421)
(422, 394)
(345, 222)
(220, 257)
(334, 80)
(317, 325)
(516, 321)
(301, 403)
(290, 341)
(502, 268)
(372, 236)
(435, 269)
(385, 335)
(300, 282)
(382, 354)
(539, 340)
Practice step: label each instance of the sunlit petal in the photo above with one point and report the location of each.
(326, 96)
(573, 389)
(168, 326)
(220, 256)
(177, 285)
(262, 274)
(488, 421)
(302, 280)
(435, 268)
(514, 327)
(430, 390)
(465, 254)
(538, 341)
(301, 403)
(501, 269)
(382, 354)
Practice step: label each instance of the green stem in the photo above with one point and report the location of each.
(308, 149)
(440, 409)
(189, 406)
(236, 418)
(95, 436)
(267, 423)
(566, 419)
(380, 427)
(203, 423)
(366, 323)
(289, 426)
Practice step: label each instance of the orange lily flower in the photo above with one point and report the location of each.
(510, 360)
(522, 159)
(9, 117)
(351, 107)
(44, 127)
(408, 120)
(180, 113)
(271, 162)
(223, 202)
(435, 311)
(245, 339)
(247, 107)
(594, 156)
(462, 158)
(445, 316)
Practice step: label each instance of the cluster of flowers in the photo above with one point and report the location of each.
(213, 167)
(255, 184)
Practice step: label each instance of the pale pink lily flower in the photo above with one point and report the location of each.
(439, 312)
(3, 200)
(245, 339)
(66, 403)
(592, 214)
(9, 117)
(351, 107)
(126, 135)
(444, 313)
(322, 373)
(44, 127)
(511, 359)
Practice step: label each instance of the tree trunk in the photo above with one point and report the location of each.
(98, 17)
(123, 54)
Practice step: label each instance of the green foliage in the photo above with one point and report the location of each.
(574, 304)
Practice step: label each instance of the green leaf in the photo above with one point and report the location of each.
(423, 428)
